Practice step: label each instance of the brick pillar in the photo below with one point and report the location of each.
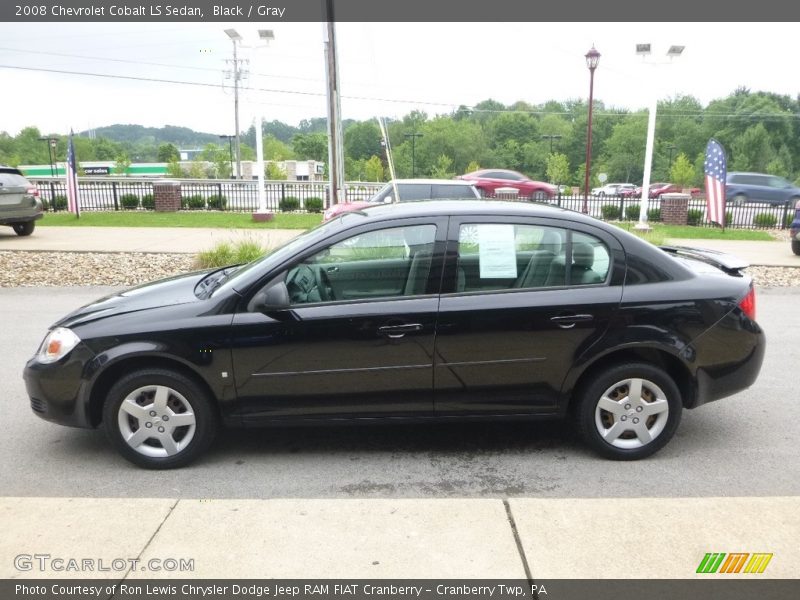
(167, 195)
(675, 209)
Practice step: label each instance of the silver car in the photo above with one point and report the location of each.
(20, 206)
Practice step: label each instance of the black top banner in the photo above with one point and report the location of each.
(397, 10)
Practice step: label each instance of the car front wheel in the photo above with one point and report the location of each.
(159, 419)
(25, 228)
(796, 247)
(629, 412)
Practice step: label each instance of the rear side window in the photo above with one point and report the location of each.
(413, 191)
(10, 179)
(513, 256)
(452, 191)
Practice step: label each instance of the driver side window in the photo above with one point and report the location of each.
(378, 264)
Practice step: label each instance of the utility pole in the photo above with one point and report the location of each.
(237, 75)
(413, 137)
(335, 147)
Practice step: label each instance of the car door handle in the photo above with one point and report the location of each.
(397, 331)
(568, 321)
(333, 269)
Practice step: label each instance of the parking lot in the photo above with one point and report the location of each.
(740, 446)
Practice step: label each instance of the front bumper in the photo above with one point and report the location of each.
(58, 391)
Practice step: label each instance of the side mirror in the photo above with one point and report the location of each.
(273, 299)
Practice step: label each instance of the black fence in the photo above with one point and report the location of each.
(236, 196)
(242, 196)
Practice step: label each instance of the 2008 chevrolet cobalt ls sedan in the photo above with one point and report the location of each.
(431, 310)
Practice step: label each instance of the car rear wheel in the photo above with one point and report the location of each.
(629, 412)
(25, 228)
(539, 195)
(796, 247)
(159, 419)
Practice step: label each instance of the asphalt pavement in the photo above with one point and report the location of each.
(474, 500)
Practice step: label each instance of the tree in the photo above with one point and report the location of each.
(197, 170)
(472, 166)
(123, 163)
(557, 168)
(167, 153)
(362, 140)
(274, 172)
(373, 169)
(275, 149)
(682, 171)
(442, 168)
(174, 169)
(310, 146)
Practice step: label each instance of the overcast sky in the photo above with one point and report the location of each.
(385, 69)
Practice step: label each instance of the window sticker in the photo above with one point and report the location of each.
(497, 254)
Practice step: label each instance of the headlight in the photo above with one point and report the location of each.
(56, 345)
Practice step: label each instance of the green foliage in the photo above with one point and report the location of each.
(129, 201)
(311, 146)
(289, 204)
(442, 168)
(148, 202)
(694, 216)
(313, 204)
(682, 171)
(197, 170)
(472, 166)
(123, 163)
(632, 212)
(373, 169)
(217, 202)
(168, 152)
(273, 172)
(765, 220)
(60, 203)
(174, 169)
(193, 202)
(654, 214)
(224, 254)
(275, 149)
(557, 168)
(363, 140)
(610, 212)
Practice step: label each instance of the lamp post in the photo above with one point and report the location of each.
(413, 137)
(266, 36)
(236, 38)
(643, 50)
(592, 58)
(230, 149)
(51, 153)
(671, 147)
(551, 138)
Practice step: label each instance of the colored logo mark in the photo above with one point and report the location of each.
(734, 562)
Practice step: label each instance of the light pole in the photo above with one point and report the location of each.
(230, 149)
(413, 137)
(236, 38)
(266, 36)
(643, 50)
(551, 138)
(592, 58)
(51, 152)
(671, 147)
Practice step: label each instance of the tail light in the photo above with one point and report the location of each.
(33, 191)
(748, 304)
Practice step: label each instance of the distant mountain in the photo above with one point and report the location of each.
(183, 137)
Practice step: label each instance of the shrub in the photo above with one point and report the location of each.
(194, 202)
(610, 212)
(632, 212)
(60, 203)
(129, 201)
(694, 216)
(765, 220)
(226, 253)
(217, 202)
(314, 204)
(728, 217)
(788, 222)
(148, 202)
(654, 214)
(289, 204)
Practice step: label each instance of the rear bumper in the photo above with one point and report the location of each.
(10, 220)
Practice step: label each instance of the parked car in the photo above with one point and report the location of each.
(794, 230)
(613, 189)
(488, 181)
(758, 187)
(20, 206)
(409, 190)
(406, 312)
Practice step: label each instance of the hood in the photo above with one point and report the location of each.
(164, 292)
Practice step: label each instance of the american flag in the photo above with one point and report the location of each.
(716, 171)
(72, 179)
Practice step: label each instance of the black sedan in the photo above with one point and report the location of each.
(433, 310)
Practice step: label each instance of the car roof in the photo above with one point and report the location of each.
(431, 181)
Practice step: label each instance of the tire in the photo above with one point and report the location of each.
(540, 196)
(609, 421)
(25, 228)
(739, 200)
(796, 247)
(183, 401)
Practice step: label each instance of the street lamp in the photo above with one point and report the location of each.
(592, 58)
(643, 50)
(230, 148)
(51, 153)
(671, 147)
(413, 137)
(551, 138)
(266, 36)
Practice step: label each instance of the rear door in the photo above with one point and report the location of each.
(14, 196)
(513, 318)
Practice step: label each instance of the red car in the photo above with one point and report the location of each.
(656, 189)
(489, 180)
